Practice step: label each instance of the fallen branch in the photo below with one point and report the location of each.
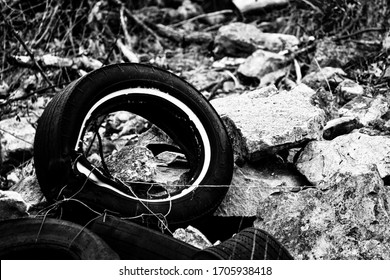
(291, 55)
(126, 48)
(217, 13)
(180, 36)
(215, 87)
(127, 52)
(124, 27)
(140, 23)
(374, 29)
(49, 60)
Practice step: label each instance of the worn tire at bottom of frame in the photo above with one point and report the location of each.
(134, 242)
(249, 244)
(50, 239)
(163, 98)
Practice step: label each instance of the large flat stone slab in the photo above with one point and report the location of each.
(320, 160)
(265, 124)
(349, 219)
(251, 184)
(240, 40)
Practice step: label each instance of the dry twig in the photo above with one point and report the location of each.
(48, 60)
(180, 36)
(126, 48)
(141, 23)
(20, 40)
(127, 52)
(217, 13)
(359, 32)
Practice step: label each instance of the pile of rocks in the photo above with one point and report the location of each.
(329, 130)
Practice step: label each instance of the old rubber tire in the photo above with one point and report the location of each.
(32, 239)
(135, 242)
(157, 95)
(249, 244)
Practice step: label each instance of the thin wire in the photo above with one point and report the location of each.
(163, 221)
(17, 137)
(82, 203)
(40, 228)
(83, 228)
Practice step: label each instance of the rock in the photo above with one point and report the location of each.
(340, 126)
(320, 160)
(371, 131)
(321, 78)
(193, 237)
(349, 220)
(172, 169)
(261, 63)
(12, 205)
(366, 109)
(122, 117)
(276, 42)
(241, 40)
(16, 174)
(202, 77)
(252, 183)
(246, 6)
(30, 191)
(134, 126)
(17, 137)
(264, 125)
(4, 90)
(138, 164)
(347, 90)
(235, 39)
(228, 86)
(125, 123)
(12, 178)
(325, 100)
(154, 135)
(132, 164)
(330, 53)
(273, 77)
(240, 150)
(262, 92)
(244, 194)
(189, 9)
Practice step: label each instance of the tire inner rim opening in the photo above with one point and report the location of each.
(180, 105)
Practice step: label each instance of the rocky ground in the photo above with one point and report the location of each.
(307, 109)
